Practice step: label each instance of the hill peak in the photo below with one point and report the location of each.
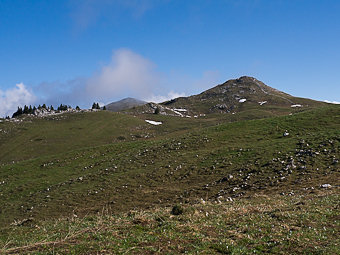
(124, 104)
(242, 94)
(250, 84)
(246, 78)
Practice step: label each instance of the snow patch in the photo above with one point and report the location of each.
(263, 102)
(242, 100)
(286, 133)
(296, 105)
(178, 113)
(331, 102)
(154, 122)
(181, 110)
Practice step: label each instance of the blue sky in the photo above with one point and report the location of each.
(77, 52)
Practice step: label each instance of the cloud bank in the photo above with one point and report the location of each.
(127, 74)
(12, 98)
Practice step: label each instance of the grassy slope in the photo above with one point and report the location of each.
(301, 224)
(36, 137)
(180, 168)
(62, 133)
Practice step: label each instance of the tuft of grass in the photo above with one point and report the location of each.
(177, 210)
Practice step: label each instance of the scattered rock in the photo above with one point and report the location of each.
(286, 133)
(325, 186)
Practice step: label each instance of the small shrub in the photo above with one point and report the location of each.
(177, 210)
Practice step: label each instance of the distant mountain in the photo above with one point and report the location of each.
(245, 94)
(124, 104)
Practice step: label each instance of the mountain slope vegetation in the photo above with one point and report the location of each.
(105, 182)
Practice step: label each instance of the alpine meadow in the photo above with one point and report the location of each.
(170, 127)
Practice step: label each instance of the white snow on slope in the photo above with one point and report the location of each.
(296, 105)
(263, 102)
(154, 122)
(181, 110)
(180, 114)
(242, 100)
(331, 102)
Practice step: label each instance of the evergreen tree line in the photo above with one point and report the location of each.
(62, 107)
(96, 106)
(30, 110)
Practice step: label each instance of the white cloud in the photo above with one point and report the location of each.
(331, 102)
(128, 73)
(14, 97)
(160, 98)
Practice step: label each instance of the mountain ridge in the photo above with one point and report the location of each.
(235, 95)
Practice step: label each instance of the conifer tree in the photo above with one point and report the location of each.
(17, 113)
(25, 109)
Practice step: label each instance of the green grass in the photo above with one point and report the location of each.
(88, 171)
(36, 137)
(299, 224)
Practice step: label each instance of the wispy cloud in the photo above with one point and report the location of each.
(88, 12)
(14, 97)
(163, 98)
